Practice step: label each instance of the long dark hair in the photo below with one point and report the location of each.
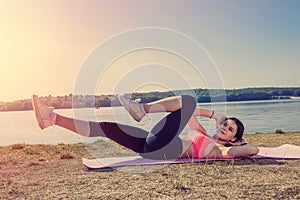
(240, 129)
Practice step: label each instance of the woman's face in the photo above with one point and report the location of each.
(227, 130)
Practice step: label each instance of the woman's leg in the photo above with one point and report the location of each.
(131, 137)
(163, 141)
(80, 127)
(169, 104)
(138, 111)
(128, 136)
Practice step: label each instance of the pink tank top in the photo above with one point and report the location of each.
(202, 144)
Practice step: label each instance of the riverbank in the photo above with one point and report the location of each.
(202, 96)
(56, 172)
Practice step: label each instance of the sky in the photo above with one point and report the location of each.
(45, 45)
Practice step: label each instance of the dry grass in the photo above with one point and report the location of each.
(56, 172)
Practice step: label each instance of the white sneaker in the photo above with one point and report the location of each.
(44, 114)
(135, 109)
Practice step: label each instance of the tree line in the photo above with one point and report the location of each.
(201, 95)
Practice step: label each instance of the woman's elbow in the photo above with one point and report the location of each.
(252, 150)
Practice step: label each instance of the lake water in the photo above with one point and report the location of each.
(258, 116)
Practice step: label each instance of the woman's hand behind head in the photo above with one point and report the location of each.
(220, 118)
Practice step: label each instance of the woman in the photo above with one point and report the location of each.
(164, 140)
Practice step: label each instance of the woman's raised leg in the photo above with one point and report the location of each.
(169, 104)
(163, 141)
(138, 111)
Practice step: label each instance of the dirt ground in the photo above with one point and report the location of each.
(56, 172)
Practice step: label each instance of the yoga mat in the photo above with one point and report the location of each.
(285, 151)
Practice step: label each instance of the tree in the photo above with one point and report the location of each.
(285, 92)
(297, 92)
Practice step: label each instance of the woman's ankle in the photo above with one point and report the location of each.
(53, 117)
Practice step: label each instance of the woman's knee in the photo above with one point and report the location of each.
(188, 101)
(188, 106)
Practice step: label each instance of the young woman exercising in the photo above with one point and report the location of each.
(164, 140)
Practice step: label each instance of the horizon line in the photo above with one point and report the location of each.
(254, 87)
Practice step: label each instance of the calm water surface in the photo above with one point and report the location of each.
(258, 116)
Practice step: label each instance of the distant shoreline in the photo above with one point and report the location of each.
(201, 95)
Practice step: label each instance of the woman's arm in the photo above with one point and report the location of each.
(209, 114)
(232, 152)
(203, 112)
(194, 124)
(247, 150)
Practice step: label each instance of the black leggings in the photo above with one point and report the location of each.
(161, 143)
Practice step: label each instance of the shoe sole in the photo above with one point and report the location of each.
(124, 103)
(34, 101)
